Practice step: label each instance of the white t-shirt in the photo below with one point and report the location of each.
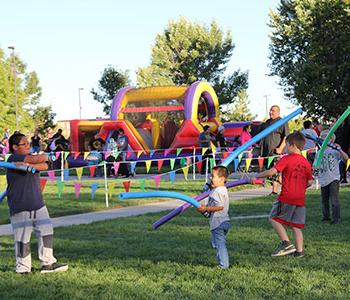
(218, 197)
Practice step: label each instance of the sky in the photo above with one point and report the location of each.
(70, 43)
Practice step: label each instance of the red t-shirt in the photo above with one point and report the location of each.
(296, 172)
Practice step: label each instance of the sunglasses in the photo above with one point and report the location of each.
(23, 144)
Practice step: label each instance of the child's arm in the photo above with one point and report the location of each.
(204, 208)
(39, 166)
(267, 173)
(309, 183)
(36, 159)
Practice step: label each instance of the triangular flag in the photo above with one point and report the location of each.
(116, 168)
(92, 170)
(247, 164)
(66, 174)
(132, 167)
(347, 164)
(65, 154)
(225, 154)
(172, 176)
(86, 154)
(51, 174)
(261, 163)
(172, 163)
(107, 154)
(148, 165)
(110, 189)
(42, 183)
(76, 154)
(182, 162)
(160, 163)
(79, 172)
(77, 187)
(151, 152)
(185, 170)
(57, 155)
(240, 157)
(7, 156)
(199, 165)
(188, 161)
(236, 163)
(60, 185)
(126, 185)
(142, 184)
(270, 160)
(139, 153)
(94, 187)
(178, 151)
(156, 180)
(212, 163)
(204, 149)
(66, 166)
(213, 149)
(304, 153)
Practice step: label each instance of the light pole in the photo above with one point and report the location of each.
(80, 107)
(266, 105)
(14, 82)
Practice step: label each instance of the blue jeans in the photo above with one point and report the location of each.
(218, 241)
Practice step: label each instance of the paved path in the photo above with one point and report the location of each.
(87, 218)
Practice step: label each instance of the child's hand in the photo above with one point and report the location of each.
(202, 208)
(252, 178)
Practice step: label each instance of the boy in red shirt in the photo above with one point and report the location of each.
(289, 208)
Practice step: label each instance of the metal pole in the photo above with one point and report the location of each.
(80, 107)
(14, 82)
(194, 163)
(106, 182)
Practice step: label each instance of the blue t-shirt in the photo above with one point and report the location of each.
(23, 188)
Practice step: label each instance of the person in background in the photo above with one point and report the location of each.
(35, 142)
(7, 133)
(122, 144)
(220, 139)
(310, 134)
(204, 140)
(275, 142)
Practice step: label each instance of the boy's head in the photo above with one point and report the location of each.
(18, 143)
(307, 124)
(324, 134)
(219, 175)
(295, 141)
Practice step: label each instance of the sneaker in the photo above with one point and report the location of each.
(55, 267)
(335, 222)
(298, 254)
(284, 248)
(272, 194)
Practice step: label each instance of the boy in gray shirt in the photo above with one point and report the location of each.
(219, 220)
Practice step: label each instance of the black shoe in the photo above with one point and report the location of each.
(24, 273)
(284, 248)
(273, 194)
(55, 267)
(326, 220)
(335, 222)
(298, 254)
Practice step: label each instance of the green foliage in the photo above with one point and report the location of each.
(186, 52)
(126, 259)
(310, 52)
(28, 93)
(43, 117)
(238, 111)
(109, 84)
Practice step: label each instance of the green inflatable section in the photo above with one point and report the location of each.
(330, 133)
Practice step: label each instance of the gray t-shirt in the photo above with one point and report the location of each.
(329, 168)
(23, 189)
(309, 143)
(218, 197)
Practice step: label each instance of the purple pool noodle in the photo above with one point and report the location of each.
(185, 206)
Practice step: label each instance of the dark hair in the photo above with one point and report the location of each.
(296, 138)
(222, 171)
(206, 127)
(121, 130)
(246, 127)
(307, 124)
(15, 140)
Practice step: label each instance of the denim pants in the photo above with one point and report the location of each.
(218, 240)
(330, 195)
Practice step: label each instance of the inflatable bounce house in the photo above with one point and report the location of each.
(157, 118)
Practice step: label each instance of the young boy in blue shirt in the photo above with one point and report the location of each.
(219, 220)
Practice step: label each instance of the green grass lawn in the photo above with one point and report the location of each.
(126, 259)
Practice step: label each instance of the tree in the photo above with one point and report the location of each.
(109, 84)
(310, 52)
(238, 110)
(28, 93)
(43, 117)
(187, 52)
